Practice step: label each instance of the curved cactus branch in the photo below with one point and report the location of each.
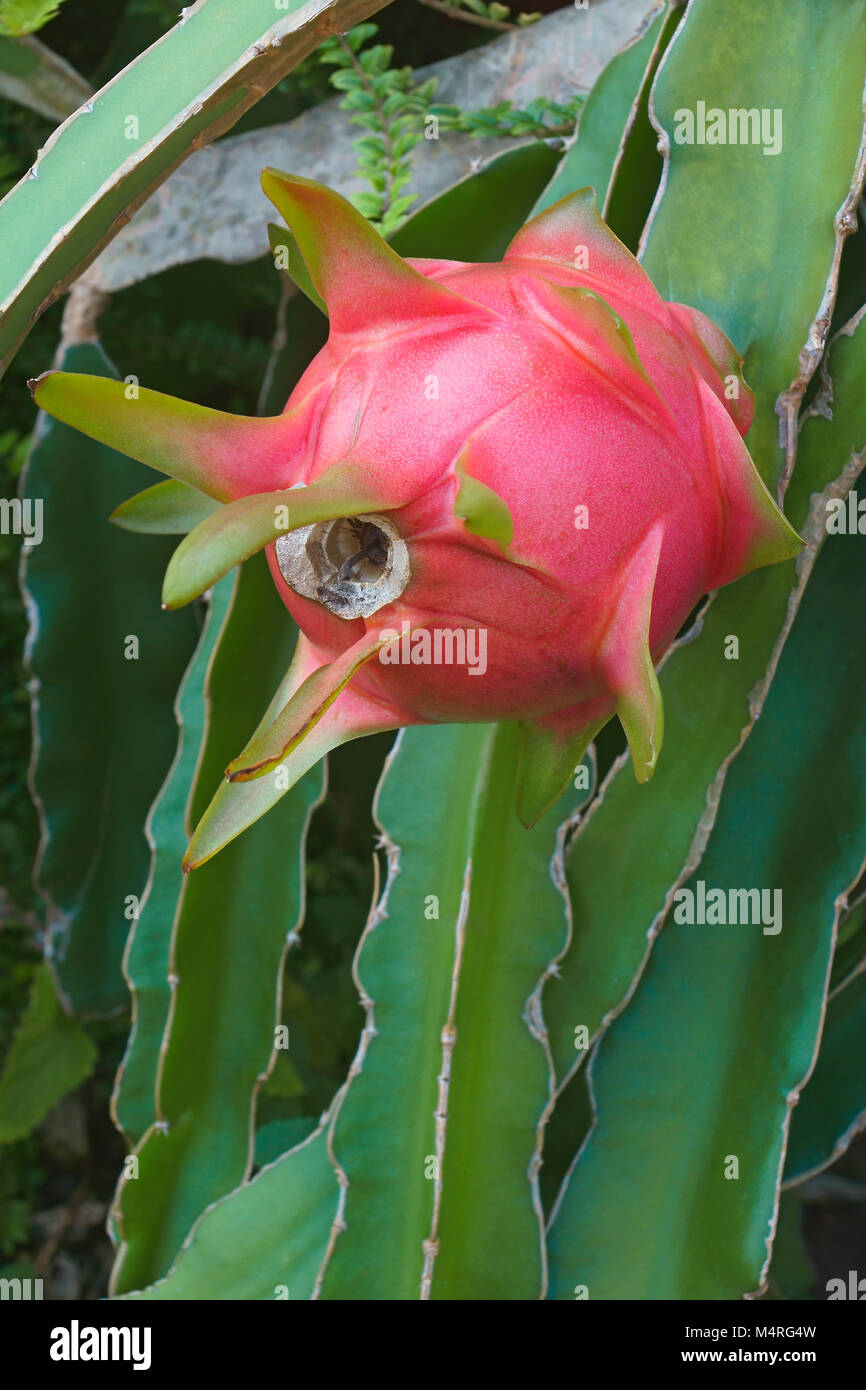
(106, 159)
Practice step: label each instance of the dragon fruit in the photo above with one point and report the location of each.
(496, 494)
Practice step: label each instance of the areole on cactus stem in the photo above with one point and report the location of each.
(495, 494)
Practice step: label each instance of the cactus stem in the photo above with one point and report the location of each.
(430, 1247)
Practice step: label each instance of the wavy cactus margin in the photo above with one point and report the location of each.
(743, 244)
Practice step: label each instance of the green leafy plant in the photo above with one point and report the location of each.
(388, 104)
(20, 17)
(492, 15)
(49, 1055)
(400, 113)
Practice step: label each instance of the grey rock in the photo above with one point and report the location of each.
(212, 206)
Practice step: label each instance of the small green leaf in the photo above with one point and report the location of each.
(376, 59)
(166, 509)
(347, 80)
(358, 36)
(371, 145)
(49, 1056)
(404, 143)
(394, 103)
(370, 204)
(289, 260)
(362, 101)
(20, 17)
(483, 510)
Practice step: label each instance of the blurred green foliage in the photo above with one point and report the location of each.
(19, 17)
(395, 111)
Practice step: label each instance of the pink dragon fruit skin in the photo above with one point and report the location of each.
(554, 450)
